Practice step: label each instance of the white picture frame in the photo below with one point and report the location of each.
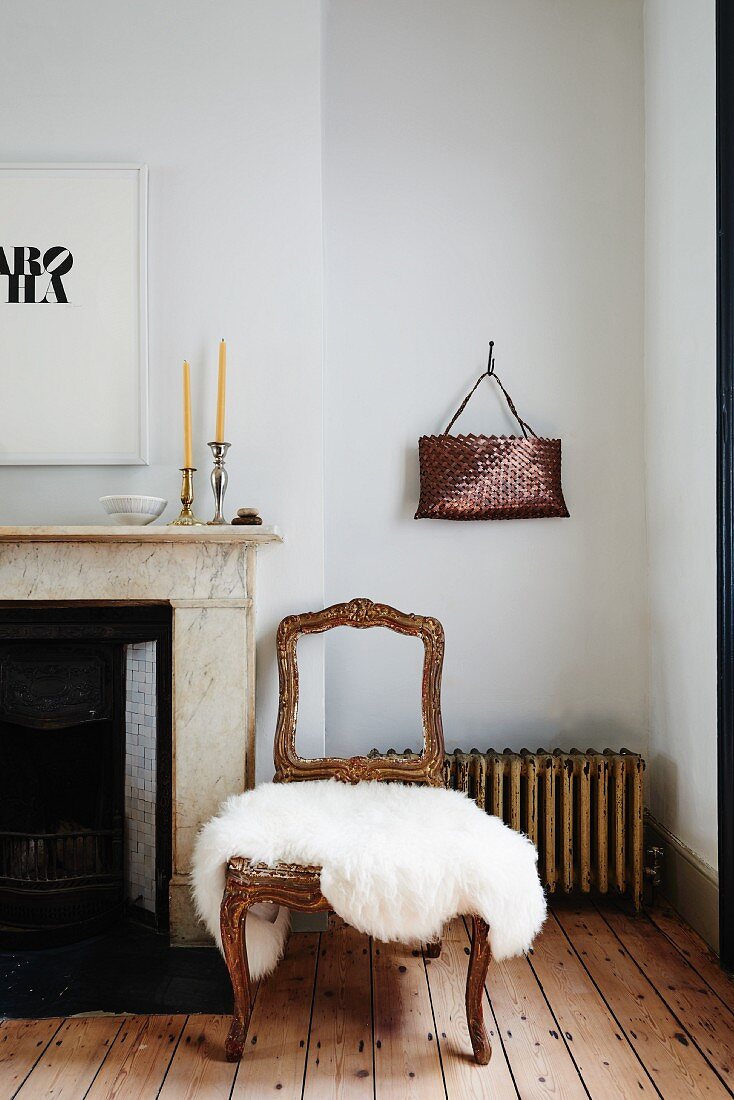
(73, 364)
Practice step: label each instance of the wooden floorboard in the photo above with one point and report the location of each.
(340, 1050)
(605, 1060)
(407, 1062)
(138, 1061)
(22, 1042)
(276, 1049)
(533, 1041)
(696, 951)
(605, 1006)
(72, 1059)
(709, 1026)
(675, 1065)
(447, 983)
(198, 1069)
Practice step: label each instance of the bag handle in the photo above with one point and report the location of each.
(489, 373)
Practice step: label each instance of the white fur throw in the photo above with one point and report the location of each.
(397, 861)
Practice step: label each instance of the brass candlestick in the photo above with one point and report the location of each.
(187, 517)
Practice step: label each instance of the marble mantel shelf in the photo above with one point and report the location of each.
(117, 533)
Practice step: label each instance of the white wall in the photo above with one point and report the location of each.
(222, 101)
(483, 177)
(680, 423)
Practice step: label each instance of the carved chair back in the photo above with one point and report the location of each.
(362, 614)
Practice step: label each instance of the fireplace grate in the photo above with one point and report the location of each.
(43, 860)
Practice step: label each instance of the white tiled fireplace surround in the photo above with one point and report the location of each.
(208, 576)
(140, 773)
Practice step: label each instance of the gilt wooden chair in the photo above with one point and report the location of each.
(298, 886)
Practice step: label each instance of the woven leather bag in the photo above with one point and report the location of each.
(490, 476)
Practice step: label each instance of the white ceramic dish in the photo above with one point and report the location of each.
(134, 510)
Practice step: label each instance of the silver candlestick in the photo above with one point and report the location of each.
(219, 479)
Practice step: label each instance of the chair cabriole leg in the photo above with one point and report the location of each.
(233, 915)
(478, 963)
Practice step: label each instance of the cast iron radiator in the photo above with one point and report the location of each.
(582, 810)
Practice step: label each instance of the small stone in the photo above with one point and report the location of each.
(246, 521)
(242, 512)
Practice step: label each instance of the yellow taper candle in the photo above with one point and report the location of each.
(188, 456)
(221, 392)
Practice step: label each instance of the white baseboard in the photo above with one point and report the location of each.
(689, 883)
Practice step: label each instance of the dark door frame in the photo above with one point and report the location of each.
(725, 466)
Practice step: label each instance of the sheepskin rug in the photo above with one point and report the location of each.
(398, 862)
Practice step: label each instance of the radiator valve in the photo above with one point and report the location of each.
(654, 865)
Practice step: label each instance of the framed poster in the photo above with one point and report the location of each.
(73, 314)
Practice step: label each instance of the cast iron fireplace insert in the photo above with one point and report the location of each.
(62, 748)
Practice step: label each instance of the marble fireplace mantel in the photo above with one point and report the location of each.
(207, 574)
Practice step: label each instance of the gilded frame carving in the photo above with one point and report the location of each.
(361, 614)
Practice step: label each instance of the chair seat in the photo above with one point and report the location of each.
(396, 862)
